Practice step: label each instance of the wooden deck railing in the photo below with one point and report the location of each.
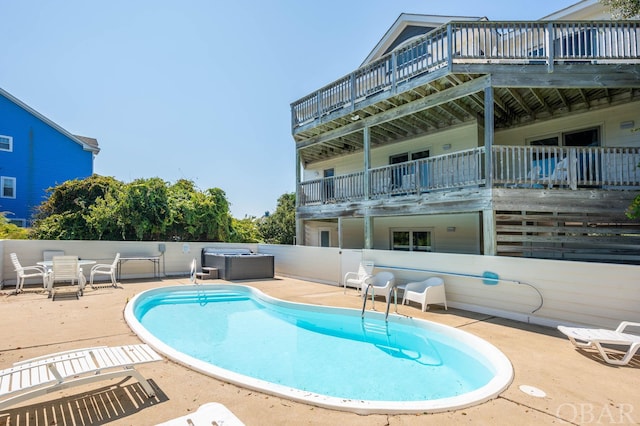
(545, 42)
(532, 167)
(537, 166)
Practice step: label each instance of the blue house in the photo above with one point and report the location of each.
(36, 154)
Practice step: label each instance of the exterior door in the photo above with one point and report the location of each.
(397, 173)
(325, 238)
(328, 189)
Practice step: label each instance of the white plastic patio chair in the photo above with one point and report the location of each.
(105, 269)
(356, 279)
(380, 284)
(65, 269)
(24, 272)
(425, 292)
(211, 413)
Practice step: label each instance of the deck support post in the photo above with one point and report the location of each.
(488, 135)
(368, 220)
(368, 231)
(299, 223)
(490, 247)
(488, 215)
(367, 160)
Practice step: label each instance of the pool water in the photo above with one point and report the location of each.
(333, 354)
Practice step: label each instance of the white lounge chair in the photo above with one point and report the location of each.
(23, 272)
(40, 376)
(356, 279)
(212, 413)
(595, 338)
(425, 292)
(105, 269)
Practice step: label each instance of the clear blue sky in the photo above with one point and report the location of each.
(200, 89)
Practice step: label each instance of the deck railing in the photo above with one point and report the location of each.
(570, 167)
(546, 42)
(522, 167)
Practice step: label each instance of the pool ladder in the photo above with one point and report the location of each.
(373, 302)
(377, 333)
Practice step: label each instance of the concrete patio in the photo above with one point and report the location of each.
(580, 388)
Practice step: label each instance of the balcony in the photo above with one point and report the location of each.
(518, 167)
(475, 49)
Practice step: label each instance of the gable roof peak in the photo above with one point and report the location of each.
(84, 142)
(406, 20)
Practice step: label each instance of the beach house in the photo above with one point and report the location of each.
(466, 135)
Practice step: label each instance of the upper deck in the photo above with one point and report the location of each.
(538, 69)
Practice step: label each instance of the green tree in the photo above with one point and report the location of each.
(198, 215)
(280, 227)
(245, 231)
(145, 209)
(66, 214)
(217, 216)
(623, 8)
(633, 211)
(142, 210)
(9, 231)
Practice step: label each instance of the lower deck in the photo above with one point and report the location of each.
(587, 224)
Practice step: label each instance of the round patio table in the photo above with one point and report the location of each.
(81, 262)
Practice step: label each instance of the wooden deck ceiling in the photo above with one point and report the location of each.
(522, 94)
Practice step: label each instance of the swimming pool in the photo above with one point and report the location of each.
(324, 356)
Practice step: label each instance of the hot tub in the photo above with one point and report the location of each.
(238, 264)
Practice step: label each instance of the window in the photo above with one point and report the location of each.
(411, 239)
(552, 141)
(6, 143)
(419, 155)
(544, 163)
(325, 238)
(572, 44)
(576, 44)
(8, 185)
(582, 137)
(586, 137)
(404, 157)
(327, 183)
(18, 222)
(404, 176)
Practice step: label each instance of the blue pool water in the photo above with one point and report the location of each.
(329, 353)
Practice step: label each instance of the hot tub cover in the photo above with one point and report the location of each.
(238, 263)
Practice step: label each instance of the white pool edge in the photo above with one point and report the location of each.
(502, 379)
